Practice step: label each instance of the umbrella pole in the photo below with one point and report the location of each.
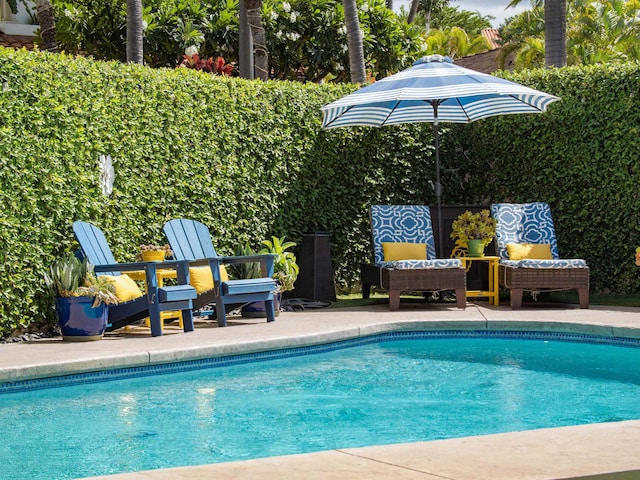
(438, 186)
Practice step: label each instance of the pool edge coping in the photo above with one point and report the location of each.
(185, 354)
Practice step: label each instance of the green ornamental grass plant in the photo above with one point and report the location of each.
(71, 277)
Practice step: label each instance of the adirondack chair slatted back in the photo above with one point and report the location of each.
(189, 240)
(401, 223)
(94, 244)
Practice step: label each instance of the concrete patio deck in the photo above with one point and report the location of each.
(603, 451)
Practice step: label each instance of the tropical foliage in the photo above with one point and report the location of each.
(285, 266)
(305, 40)
(71, 277)
(217, 66)
(603, 31)
(455, 43)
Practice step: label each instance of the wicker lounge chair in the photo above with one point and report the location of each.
(396, 226)
(532, 224)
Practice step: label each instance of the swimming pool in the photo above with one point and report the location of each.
(390, 388)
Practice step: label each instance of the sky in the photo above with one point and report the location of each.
(495, 8)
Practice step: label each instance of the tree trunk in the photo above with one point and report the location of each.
(389, 4)
(354, 39)
(555, 33)
(44, 14)
(412, 11)
(260, 52)
(134, 31)
(245, 45)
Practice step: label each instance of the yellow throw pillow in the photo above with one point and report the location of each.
(533, 251)
(201, 278)
(126, 289)
(393, 251)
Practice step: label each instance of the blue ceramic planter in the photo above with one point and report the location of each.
(78, 321)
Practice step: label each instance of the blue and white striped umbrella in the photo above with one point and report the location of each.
(434, 90)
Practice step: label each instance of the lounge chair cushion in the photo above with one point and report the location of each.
(126, 289)
(417, 264)
(538, 251)
(201, 278)
(524, 223)
(404, 251)
(530, 263)
(401, 223)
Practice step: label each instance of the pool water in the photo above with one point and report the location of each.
(388, 392)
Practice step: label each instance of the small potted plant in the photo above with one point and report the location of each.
(155, 253)
(285, 273)
(474, 230)
(82, 299)
(285, 266)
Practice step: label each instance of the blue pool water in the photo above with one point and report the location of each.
(379, 393)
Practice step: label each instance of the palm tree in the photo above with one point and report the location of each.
(555, 31)
(260, 52)
(413, 10)
(134, 31)
(354, 38)
(455, 42)
(45, 16)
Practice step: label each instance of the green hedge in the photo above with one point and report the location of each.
(249, 160)
(582, 157)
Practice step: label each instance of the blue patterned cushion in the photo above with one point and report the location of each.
(401, 223)
(528, 223)
(524, 223)
(530, 263)
(413, 264)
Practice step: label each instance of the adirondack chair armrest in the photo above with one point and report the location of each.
(150, 268)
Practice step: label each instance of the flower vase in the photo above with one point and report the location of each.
(475, 248)
(79, 321)
(152, 256)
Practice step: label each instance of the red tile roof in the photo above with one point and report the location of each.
(492, 36)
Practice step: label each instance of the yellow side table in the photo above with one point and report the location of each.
(161, 275)
(493, 292)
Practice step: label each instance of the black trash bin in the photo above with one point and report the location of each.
(315, 280)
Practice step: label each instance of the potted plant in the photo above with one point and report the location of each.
(82, 299)
(285, 273)
(155, 253)
(285, 266)
(474, 231)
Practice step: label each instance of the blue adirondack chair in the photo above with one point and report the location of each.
(191, 240)
(95, 248)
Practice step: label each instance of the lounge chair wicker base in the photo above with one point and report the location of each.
(539, 279)
(395, 281)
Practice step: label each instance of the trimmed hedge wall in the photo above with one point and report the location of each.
(249, 160)
(582, 157)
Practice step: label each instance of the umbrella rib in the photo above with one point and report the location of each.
(338, 116)
(391, 110)
(464, 110)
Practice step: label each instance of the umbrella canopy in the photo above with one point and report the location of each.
(434, 89)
